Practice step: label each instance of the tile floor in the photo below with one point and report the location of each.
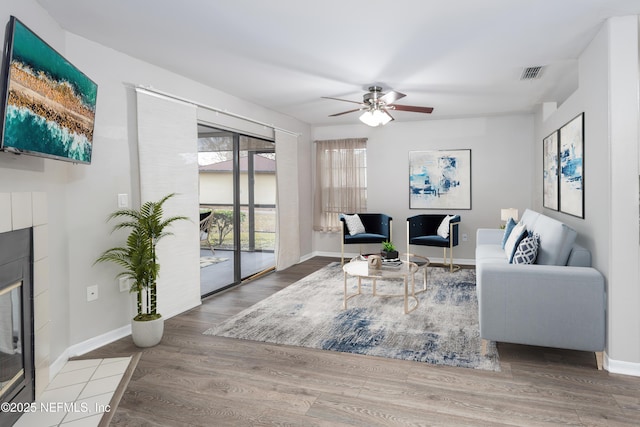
(78, 395)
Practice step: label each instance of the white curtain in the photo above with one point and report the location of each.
(341, 181)
(287, 205)
(168, 158)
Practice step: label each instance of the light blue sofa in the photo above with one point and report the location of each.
(558, 302)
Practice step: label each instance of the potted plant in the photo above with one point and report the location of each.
(139, 260)
(388, 251)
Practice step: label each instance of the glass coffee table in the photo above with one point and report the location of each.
(406, 271)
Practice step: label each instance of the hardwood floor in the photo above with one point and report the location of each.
(193, 379)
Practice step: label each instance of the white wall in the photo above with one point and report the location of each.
(608, 95)
(81, 196)
(501, 161)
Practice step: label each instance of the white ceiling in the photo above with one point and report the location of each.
(462, 57)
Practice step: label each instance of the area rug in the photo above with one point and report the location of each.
(309, 313)
(206, 261)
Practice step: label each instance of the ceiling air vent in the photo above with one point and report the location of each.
(531, 73)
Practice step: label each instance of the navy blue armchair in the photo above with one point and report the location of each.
(423, 230)
(377, 229)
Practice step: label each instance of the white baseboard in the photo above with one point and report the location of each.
(99, 341)
(181, 310)
(621, 367)
(332, 254)
(87, 346)
(96, 342)
(306, 257)
(57, 366)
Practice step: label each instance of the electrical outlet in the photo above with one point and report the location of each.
(465, 237)
(92, 293)
(123, 201)
(124, 284)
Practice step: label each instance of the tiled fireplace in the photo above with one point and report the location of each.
(23, 224)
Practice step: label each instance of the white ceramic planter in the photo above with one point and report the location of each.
(147, 333)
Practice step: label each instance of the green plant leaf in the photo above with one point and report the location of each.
(138, 258)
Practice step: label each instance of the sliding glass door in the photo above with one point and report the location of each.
(237, 207)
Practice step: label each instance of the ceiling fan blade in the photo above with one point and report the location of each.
(391, 97)
(413, 108)
(346, 112)
(343, 100)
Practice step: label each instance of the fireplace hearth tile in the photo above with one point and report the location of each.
(21, 211)
(74, 365)
(92, 394)
(5, 212)
(40, 209)
(73, 377)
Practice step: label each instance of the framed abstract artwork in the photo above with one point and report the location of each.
(550, 174)
(571, 157)
(440, 179)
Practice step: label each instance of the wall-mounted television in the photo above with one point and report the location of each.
(48, 105)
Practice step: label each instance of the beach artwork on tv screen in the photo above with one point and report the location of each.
(49, 105)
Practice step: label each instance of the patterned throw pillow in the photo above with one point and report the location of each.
(354, 224)
(527, 250)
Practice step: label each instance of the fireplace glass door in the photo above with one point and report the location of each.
(17, 373)
(11, 360)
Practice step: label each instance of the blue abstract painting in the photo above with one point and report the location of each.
(440, 179)
(571, 167)
(550, 171)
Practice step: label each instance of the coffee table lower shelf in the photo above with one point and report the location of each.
(361, 269)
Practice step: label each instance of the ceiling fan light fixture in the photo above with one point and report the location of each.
(369, 119)
(375, 117)
(376, 104)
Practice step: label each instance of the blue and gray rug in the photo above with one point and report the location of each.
(442, 330)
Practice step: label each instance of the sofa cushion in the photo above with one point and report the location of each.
(364, 238)
(490, 253)
(579, 257)
(430, 241)
(529, 218)
(556, 241)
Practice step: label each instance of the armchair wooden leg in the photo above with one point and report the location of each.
(599, 360)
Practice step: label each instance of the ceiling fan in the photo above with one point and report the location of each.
(376, 106)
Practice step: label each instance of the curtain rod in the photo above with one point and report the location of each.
(214, 109)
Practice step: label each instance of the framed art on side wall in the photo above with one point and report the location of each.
(571, 157)
(550, 171)
(440, 179)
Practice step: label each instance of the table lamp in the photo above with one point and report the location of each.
(507, 213)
